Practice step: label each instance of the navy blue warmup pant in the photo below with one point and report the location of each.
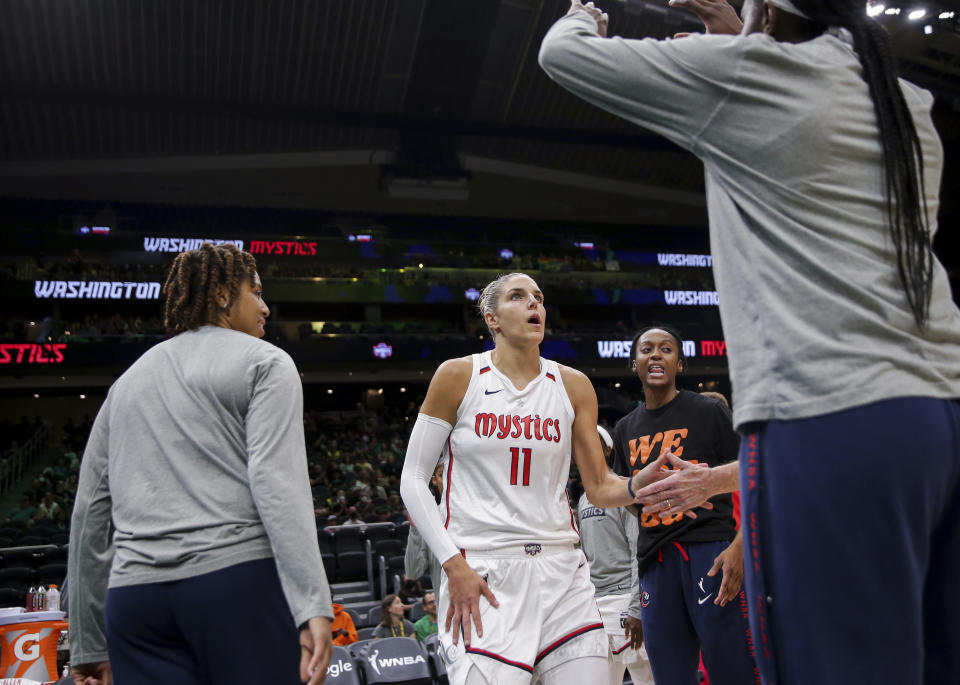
(227, 627)
(852, 544)
(680, 619)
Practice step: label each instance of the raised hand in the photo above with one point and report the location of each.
(603, 21)
(717, 15)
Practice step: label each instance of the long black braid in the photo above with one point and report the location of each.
(902, 156)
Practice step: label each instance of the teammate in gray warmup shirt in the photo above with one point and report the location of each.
(193, 530)
(608, 538)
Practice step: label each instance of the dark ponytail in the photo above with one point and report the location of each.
(902, 155)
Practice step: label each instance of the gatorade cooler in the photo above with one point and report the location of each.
(29, 644)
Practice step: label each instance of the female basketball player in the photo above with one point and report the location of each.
(690, 570)
(504, 424)
(823, 172)
(194, 504)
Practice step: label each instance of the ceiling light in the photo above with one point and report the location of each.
(917, 15)
(874, 10)
(947, 15)
(927, 30)
(892, 10)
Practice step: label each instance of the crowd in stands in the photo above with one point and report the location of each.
(332, 261)
(355, 458)
(44, 506)
(20, 442)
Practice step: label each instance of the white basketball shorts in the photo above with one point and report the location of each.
(547, 615)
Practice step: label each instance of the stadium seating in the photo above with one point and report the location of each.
(395, 660)
(342, 670)
(17, 577)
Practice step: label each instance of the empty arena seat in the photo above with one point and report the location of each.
(431, 642)
(352, 565)
(348, 539)
(52, 574)
(356, 647)
(416, 611)
(379, 531)
(12, 597)
(342, 669)
(395, 660)
(365, 634)
(17, 576)
(56, 554)
(437, 667)
(22, 556)
(388, 548)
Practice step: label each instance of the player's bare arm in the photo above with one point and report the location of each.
(446, 392)
(687, 486)
(604, 489)
(447, 388)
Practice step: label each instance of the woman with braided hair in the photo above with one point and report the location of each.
(193, 528)
(822, 176)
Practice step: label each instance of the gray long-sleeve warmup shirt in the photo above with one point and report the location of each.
(197, 457)
(608, 538)
(813, 310)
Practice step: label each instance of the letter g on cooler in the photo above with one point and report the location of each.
(27, 647)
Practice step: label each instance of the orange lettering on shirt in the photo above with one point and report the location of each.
(642, 447)
(671, 441)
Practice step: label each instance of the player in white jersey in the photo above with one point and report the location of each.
(516, 593)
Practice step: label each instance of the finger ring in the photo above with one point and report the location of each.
(668, 504)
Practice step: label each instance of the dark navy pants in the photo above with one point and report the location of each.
(231, 626)
(680, 619)
(852, 525)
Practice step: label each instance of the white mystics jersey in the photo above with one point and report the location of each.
(507, 461)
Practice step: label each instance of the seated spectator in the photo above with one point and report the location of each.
(353, 518)
(392, 622)
(427, 625)
(62, 521)
(47, 509)
(23, 512)
(344, 632)
(60, 468)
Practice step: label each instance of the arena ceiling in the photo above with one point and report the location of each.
(354, 105)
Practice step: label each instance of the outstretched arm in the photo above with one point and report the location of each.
(670, 87)
(603, 487)
(687, 486)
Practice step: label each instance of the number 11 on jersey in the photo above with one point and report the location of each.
(515, 463)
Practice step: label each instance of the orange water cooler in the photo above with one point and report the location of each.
(29, 644)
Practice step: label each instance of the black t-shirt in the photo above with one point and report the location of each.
(698, 429)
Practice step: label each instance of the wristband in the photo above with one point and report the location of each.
(633, 495)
